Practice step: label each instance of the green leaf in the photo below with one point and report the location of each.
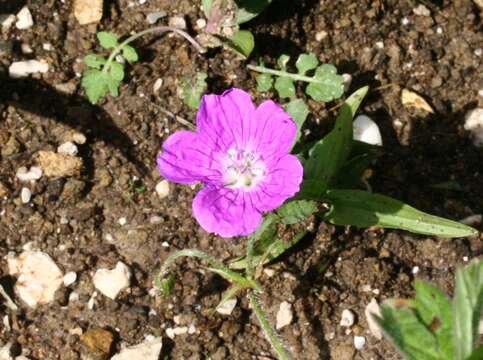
(477, 354)
(285, 87)
(298, 111)
(306, 62)
(330, 154)
(165, 286)
(283, 61)
(228, 294)
(364, 209)
(206, 6)
(434, 309)
(107, 39)
(94, 61)
(116, 71)
(249, 9)
(467, 308)
(296, 211)
(129, 53)
(192, 88)
(242, 42)
(327, 84)
(401, 324)
(264, 82)
(95, 84)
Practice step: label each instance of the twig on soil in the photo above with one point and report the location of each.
(178, 118)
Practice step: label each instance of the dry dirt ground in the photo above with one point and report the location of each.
(75, 219)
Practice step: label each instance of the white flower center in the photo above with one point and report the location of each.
(243, 169)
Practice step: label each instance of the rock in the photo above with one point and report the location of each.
(148, 350)
(373, 308)
(11, 147)
(112, 282)
(68, 148)
(25, 195)
(5, 352)
(21, 69)
(24, 19)
(153, 17)
(3, 190)
(58, 165)
(98, 342)
(321, 35)
(88, 11)
(359, 342)
(472, 220)
(162, 189)
(366, 130)
(177, 22)
(157, 85)
(347, 319)
(421, 10)
(38, 277)
(412, 100)
(474, 124)
(227, 307)
(479, 3)
(34, 173)
(69, 278)
(346, 81)
(7, 21)
(103, 178)
(26, 49)
(284, 315)
(201, 23)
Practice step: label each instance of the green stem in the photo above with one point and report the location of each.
(263, 69)
(250, 269)
(270, 333)
(161, 30)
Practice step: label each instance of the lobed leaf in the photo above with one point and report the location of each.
(327, 84)
(116, 71)
(285, 87)
(129, 53)
(264, 82)
(283, 61)
(107, 39)
(95, 84)
(364, 209)
(306, 62)
(94, 61)
(298, 111)
(192, 89)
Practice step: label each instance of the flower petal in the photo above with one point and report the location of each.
(225, 212)
(186, 159)
(275, 130)
(282, 183)
(225, 120)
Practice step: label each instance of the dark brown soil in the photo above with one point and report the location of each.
(75, 220)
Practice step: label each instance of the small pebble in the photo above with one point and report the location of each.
(34, 173)
(321, 35)
(366, 130)
(68, 148)
(346, 81)
(24, 19)
(157, 85)
(201, 23)
(415, 270)
(7, 21)
(474, 124)
(371, 309)
(153, 17)
(122, 221)
(111, 282)
(70, 278)
(150, 349)
(421, 10)
(88, 11)
(359, 342)
(227, 307)
(25, 195)
(162, 189)
(284, 315)
(347, 318)
(21, 69)
(177, 22)
(26, 49)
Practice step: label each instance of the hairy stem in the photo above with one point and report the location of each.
(268, 330)
(159, 29)
(263, 69)
(250, 269)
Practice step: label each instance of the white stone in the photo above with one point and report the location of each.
(191, 329)
(25, 195)
(26, 49)
(405, 21)
(24, 19)
(201, 23)
(180, 330)
(147, 350)
(88, 11)
(177, 22)
(269, 272)
(47, 46)
(6, 323)
(69, 278)
(170, 333)
(415, 270)
(347, 318)
(34, 173)
(373, 309)
(284, 315)
(380, 44)
(421, 10)
(227, 307)
(366, 130)
(153, 17)
(21, 69)
(162, 189)
(122, 221)
(359, 342)
(474, 124)
(472, 219)
(68, 148)
(38, 277)
(8, 21)
(112, 282)
(73, 296)
(321, 35)
(157, 85)
(79, 138)
(5, 352)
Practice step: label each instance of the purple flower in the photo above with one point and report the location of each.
(241, 154)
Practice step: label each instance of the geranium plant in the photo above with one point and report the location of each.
(241, 154)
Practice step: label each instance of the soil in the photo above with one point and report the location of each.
(75, 220)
